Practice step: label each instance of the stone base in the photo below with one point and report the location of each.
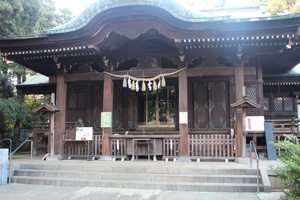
(53, 158)
(184, 159)
(3, 166)
(106, 158)
(242, 160)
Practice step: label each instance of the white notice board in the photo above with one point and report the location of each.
(183, 118)
(255, 123)
(84, 133)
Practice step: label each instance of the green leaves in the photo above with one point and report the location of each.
(27, 17)
(6, 88)
(289, 174)
(276, 7)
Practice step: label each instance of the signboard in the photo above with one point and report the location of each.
(84, 133)
(254, 123)
(183, 118)
(106, 120)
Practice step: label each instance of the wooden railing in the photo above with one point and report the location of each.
(217, 146)
(285, 126)
(97, 146)
(119, 148)
(76, 149)
(170, 148)
(41, 127)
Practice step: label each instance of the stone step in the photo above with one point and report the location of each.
(212, 178)
(157, 185)
(139, 169)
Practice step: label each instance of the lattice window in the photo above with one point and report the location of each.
(251, 92)
(81, 100)
(77, 99)
(72, 100)
(288, 104)
(266, 104)
(278, 102)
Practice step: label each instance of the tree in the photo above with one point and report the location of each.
(51, 18)
(289, 174)
(19, 17)
(22, 17)
(25, 17)
(277, 7)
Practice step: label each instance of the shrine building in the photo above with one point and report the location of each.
(168, 81)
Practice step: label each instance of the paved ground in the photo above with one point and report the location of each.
(36, 192)
(42, 192)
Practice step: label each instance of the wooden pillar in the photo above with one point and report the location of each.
(260, 87)
(89, 106)
(60, 119)
(107, 107)
(183, 108)
(52, 126)
(239, 83)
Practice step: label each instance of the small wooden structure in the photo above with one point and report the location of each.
(43, 132)
(244, 103)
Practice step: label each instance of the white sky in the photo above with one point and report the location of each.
(77, 6)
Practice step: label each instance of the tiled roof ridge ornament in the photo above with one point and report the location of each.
(245, 102)
(172, 6)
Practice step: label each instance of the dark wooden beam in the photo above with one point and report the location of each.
(218, 71)
(75, 77)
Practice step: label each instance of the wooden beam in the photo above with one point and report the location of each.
(107, 107)
(61, 98)
(183, 108)
(218, 71)
(75, 77)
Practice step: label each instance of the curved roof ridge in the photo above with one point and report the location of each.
(172, 6)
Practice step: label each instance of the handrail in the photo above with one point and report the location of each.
(9, 167)
(252, 145)
(31, 148)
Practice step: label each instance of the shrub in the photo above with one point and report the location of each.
(289, 174)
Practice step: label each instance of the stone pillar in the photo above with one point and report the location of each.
(60, 119)
(3, 166)
(183, 116)
(107, 107)
(239, 84)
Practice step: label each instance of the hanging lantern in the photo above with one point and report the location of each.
(133, 85)
(154, 85)
(124, 83)
(163, 82)
(143, 86)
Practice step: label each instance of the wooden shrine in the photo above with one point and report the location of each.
(164, 73)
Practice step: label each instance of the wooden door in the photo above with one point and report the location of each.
(211, 105)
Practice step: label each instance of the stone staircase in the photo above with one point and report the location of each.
(138, 176)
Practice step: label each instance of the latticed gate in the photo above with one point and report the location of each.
(208, 146)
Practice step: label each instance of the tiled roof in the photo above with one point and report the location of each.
(173, 7)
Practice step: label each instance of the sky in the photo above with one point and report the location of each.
(77, 6)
